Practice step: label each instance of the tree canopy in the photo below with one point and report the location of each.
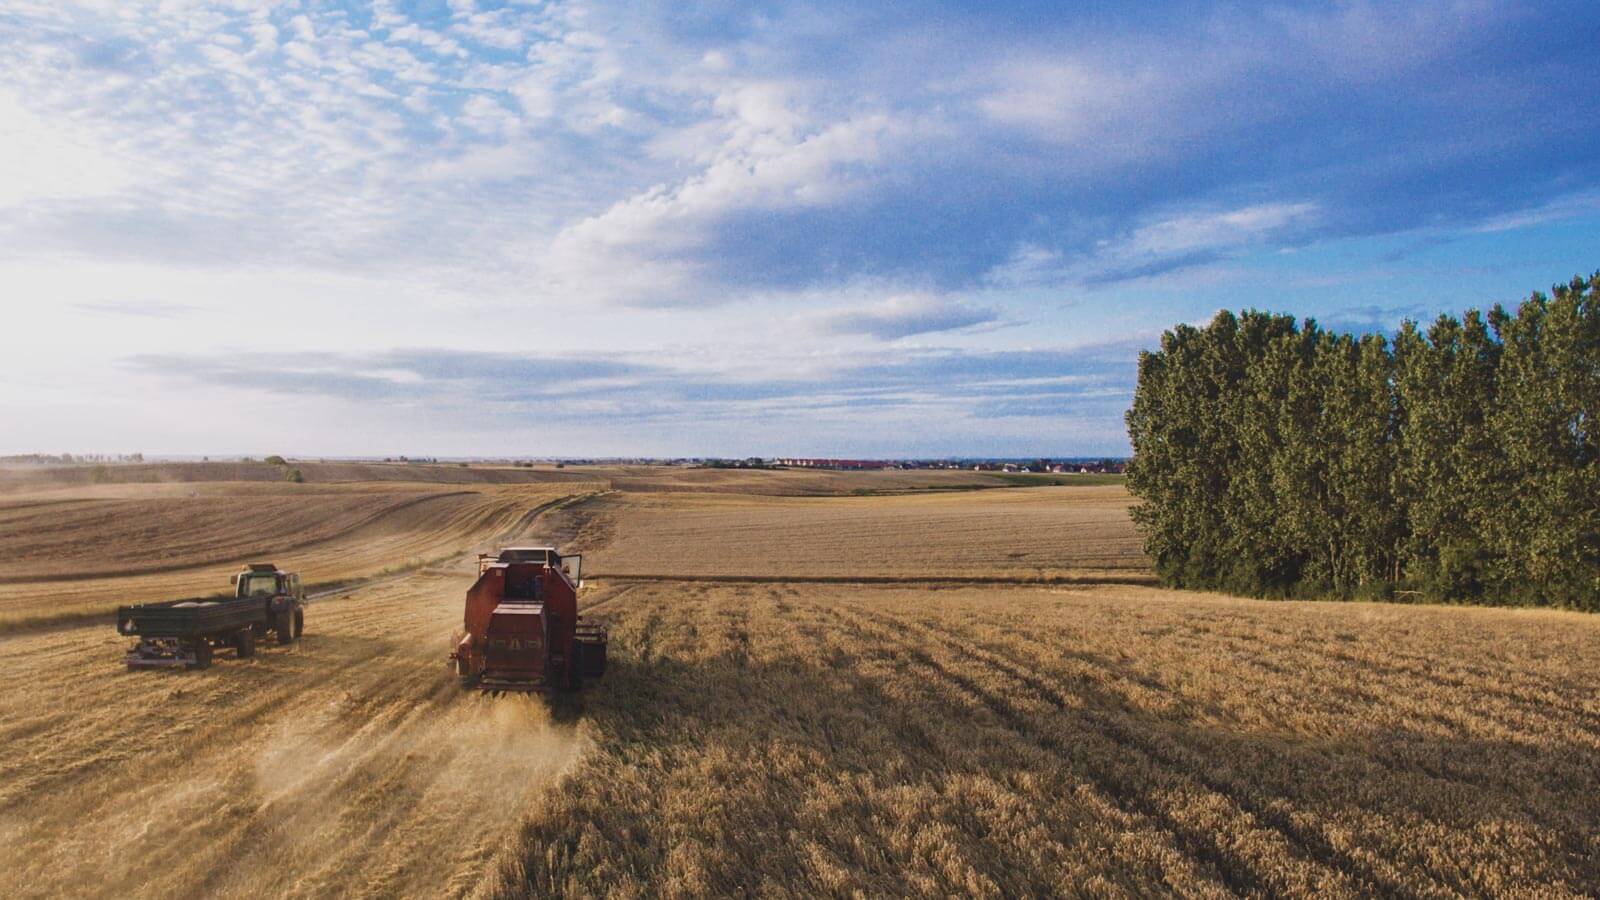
(1457, 462)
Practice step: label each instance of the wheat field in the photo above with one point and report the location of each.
(1041, 533)
(1108, 740)
(761, 734)
(81, 553)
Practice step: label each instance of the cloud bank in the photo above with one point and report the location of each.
(790, 183)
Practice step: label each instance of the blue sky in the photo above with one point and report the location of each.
(462, 228)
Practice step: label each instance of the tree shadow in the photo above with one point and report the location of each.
(1353, 803)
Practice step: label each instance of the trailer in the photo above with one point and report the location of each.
(185, 633)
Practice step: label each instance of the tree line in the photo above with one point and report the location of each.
(1457, 463)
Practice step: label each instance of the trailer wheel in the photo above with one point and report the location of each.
(299, 623)
(202, 654)
(245, 643)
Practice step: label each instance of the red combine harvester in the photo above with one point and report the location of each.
(523, 631)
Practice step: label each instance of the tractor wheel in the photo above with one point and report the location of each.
(299, 623)
(285, 628)
(244, 643)
(202, 654)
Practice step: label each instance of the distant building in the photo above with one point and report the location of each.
(809, 463)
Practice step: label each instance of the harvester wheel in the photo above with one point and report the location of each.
(299, 623)
(202, 654)
(245, 643)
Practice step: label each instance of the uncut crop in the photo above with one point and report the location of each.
(1110, 740)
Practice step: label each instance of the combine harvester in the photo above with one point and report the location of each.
(184, 632)
(522, 628)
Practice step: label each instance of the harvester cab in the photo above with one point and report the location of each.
(521, 629)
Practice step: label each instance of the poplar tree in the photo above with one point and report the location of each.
(1458, 462)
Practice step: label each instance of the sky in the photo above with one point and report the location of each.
(656, 229)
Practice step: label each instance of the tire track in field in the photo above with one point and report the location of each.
(1092, 818)
(1239, 875)
(760, 641)
(1181, 762)
(1181, 853)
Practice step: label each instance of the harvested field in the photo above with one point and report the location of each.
(1111, 740)
(821, 740)
(83, 552)
(780, 482)
(1046, 533)
(808, 739)
(30, 478)
(790, 482)
(795, 482)
(349, 764)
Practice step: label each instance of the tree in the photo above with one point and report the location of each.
(1549, 376)
(1456, 463)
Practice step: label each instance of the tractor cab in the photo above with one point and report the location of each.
(265, 580)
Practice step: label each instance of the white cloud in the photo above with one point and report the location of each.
(265, 37)
(45, 157)
(903, 316)
(1198, 231)
(413, 33)
(780, 186)
(1160, 244)
(302, 53)
(487, 116)
(1583, 203)
(302, 28)
(490, 30)
(536, 96)
(488, 164)
(760, 170)
(1075, 101)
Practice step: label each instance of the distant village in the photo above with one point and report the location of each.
(1068, 466)
(1040, 466)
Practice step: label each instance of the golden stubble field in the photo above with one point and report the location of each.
(1040, 533)
(81, 551)
(796, 738)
